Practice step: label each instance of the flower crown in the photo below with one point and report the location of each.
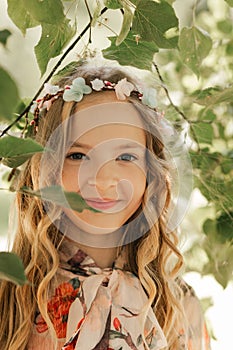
(79, 88)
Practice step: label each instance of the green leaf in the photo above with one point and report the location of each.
(152, 21)
(53, 39)
(96, 13)
(46, 11)
(227, 163)
(15, 151)
(204, 132)
(11, 268)
(229, 2)
(113, 4)
(207, 115)
(18, 12)
(57, 195)
(194, 47)
(225, 26)
(130, 52)
(225, 226)
(4, 35)
(214, 96)
(209, 227)
(127, 21)
(9, 95)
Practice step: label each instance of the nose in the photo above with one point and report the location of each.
(104, 177)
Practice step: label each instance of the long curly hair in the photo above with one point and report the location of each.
(153, 257)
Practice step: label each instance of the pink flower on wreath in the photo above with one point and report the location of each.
(123, 89)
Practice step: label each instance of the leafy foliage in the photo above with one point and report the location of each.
(191, 57)
(9, 95)
(15, 151)
(11, 268)
(57, 195)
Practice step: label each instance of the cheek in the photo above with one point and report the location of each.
(133, 187)
(70, 178)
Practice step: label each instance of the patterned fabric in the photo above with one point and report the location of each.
(104, 309)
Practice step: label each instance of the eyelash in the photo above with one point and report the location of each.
(125, 157)
(72, 156)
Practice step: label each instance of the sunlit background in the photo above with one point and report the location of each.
(18, 58)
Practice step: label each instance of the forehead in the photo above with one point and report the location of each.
(108, 117)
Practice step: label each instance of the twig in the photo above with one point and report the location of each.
(175, 106)
(27, 109)
(90, 16)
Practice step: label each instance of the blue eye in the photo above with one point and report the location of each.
(127, 157)
(77, 156)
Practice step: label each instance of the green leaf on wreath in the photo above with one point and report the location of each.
(15, 151)
(11, 268)
(194, 47)
(153, 20)
(9, 95)
(129, 52)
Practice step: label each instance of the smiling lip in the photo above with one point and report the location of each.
(101, 204)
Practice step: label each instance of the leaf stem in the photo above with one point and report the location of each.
(57, 65)
(175, 106)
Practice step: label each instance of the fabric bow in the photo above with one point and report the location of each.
(108, 314)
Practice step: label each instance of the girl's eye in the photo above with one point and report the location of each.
(127, 157)
(77, 156)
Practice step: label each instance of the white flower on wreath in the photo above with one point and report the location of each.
(51, 89)
(149, 97)
(97, 84)
(76, 90)
(123, 89)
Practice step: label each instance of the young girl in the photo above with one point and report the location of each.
(106, 277)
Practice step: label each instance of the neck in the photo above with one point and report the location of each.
(103, 257)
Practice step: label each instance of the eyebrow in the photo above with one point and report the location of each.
(128, 145)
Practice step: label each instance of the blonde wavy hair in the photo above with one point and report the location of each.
(37, 239)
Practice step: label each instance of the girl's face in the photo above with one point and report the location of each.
(106, 163)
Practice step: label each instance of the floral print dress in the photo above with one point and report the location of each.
(104, 309)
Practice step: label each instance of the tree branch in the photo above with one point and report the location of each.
(175, 106)
(57, 65)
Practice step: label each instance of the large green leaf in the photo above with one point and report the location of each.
(127, 21)
(194, 47)
(15, 151)
(53, 39)
(225, 226)
(46, 11)
(204, 132)
(9, 95)
(20, 15)
(152, 20)
(11, 268)
(113, 4)
(4, 35)
(57, 195)
(130, 52)
(213, 96)
(229, 2)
